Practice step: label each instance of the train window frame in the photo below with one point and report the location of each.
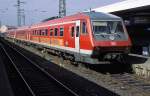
(51, 32)
(84, 28)
(72, 31)
(61, 31)
(56, 32)
(36, 31)
(46, 32)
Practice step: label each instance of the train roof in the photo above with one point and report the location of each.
(92, 15)
(101, 16)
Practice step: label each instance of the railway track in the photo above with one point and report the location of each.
(118, 81)
(133, 81)
(128, 82)
(80, 85)
(18, 85)
(37, 81)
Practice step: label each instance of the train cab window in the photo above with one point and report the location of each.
(51, 32)
(84, 28)
(77, 31)
(56, 32)
(72, 31)
(61, 31)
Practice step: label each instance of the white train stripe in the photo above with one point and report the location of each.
(82, 51)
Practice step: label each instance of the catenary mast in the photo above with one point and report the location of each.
(62, 8)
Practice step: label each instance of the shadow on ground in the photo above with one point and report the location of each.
(119, 68)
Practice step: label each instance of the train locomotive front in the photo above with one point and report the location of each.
(110, 39)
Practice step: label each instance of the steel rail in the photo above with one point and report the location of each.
(29, 88)
(45, 72)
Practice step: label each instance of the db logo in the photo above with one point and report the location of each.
(113, 43)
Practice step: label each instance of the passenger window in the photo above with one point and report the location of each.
(36, 32)
(84, 28)
(43, 32)
(40, 32)
(56, 31)
(72, 31)
(33, 32)
(77, 31)
(61, 31)
(51, 32)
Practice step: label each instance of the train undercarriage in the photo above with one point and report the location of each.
(75, 58)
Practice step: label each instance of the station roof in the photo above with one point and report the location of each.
(123, 5)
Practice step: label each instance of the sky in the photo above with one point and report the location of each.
(37, 10)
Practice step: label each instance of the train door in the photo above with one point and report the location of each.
(77, 36)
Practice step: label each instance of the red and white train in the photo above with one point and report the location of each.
(89, 37)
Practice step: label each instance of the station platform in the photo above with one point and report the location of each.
(142, 56)
(5, 87)
(140, 64)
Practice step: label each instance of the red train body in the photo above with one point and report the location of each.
(89, 37)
